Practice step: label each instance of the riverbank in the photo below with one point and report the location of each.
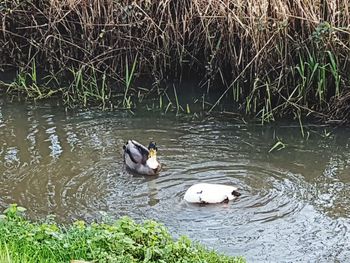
(268, 59)
(119, 241)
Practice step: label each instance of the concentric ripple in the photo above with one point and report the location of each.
(294, 205)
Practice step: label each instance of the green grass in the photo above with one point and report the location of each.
(119, 241)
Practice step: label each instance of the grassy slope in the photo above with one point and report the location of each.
(22, 241)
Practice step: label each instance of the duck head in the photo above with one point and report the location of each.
(152, 146)
(152, 157)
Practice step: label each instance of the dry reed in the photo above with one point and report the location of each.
(262, 50)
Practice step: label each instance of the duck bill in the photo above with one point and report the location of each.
(152, 153)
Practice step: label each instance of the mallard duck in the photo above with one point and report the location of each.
(204, 193)
(140, 159)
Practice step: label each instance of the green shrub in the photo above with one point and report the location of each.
(120, 241)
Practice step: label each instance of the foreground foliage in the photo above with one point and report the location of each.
(120, 241)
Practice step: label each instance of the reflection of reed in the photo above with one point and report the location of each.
(330, 194)
(11, 159)
(14, 151)
(33, 141)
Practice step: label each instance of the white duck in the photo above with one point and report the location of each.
(140, 159)
(204, 193)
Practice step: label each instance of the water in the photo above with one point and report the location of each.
(294, 207)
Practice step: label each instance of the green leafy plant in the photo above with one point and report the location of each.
(119, 241)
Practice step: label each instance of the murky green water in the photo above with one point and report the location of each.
(295, 203)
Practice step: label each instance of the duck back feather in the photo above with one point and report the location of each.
(136, 151)
(137, 159)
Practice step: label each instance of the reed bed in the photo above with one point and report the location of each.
(271, 58)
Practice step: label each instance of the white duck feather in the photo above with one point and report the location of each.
(205, 193)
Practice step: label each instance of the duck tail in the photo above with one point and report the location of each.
(235, 193)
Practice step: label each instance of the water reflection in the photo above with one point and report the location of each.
(294, 204)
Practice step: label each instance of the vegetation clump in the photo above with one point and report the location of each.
(120, 241)
(271, 58)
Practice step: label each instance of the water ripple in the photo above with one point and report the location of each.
(294, 205)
